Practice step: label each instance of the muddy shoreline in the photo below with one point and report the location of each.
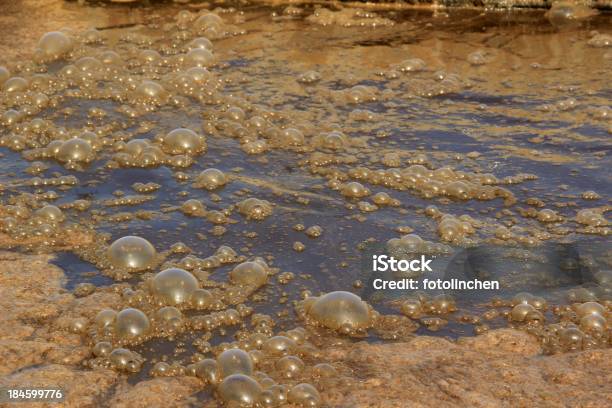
(37, 350)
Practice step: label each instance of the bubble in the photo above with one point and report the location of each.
(292, 137)
(522, 297)
(443, 304)
(92, 36)
(324, 370)
(571, 338)
(199, 75)
(79, 325)
(565, 13)
(590, 308)
(235, 113)
(383, 198)
(102, 349)
(50, 213)
(149, 56)
(412, 308)
(581, 295)
(131, 324)
(161, 369)
(105, 318)
(125, 360)
(210, 179)
(168, 313)
(4, 74)
(255, 209)
(594, 324)
(539, 303)
(309, 77)
(208, 371)
(249, 274)
(75, 151)
(520, 311)
(110, 58)
(337, 309)
(131, 253)
(199, 57)
(600, 41)
(194, 208)
(548, 215)
(334, 140)
(150, 92)
(279, 345)
(235, 361)
(354, 190)
(183, 141)
(239, 389)
(289, 366)
(201, 42)
(54, 45)
(304, 395)
(15, 84)
(89, 66)
(298, 334)
(174, 286)
(412, 65)
(587, 195)
(201, 299)
(207, 21)
(591, 217)
(314, 231)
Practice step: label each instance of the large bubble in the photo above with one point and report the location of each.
(201, 42)
(340, 309)
(174, 286)
(15, 84)
(131, 323)
(240, 390)
(74, 151)
(50, 213)
(235, 361)
(211, 179)
(132, 253)
(199, 57)
(150, 92)
(54, 45)
(304, 395)
(183, 141)
(249, 274)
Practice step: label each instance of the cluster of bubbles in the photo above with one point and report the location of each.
(28, 220)
(348, 17)
(582, 325)
(441, 182)
(132, 253)
(176, 296)
(157, 309)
